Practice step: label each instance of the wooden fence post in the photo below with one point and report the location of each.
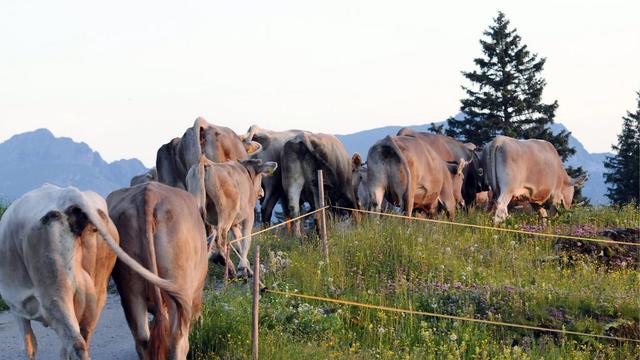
(323, 217)
(256, 304)
(226, 265)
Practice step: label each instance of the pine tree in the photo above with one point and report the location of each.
(436, 129)
(506, 96)
(624, 173)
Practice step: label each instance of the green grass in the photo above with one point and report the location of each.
(435, 268)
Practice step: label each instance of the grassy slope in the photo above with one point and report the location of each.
(436, 268)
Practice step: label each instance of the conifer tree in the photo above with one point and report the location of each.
(506, 96)
(623, 176)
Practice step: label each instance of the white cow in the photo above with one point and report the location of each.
(55, 261)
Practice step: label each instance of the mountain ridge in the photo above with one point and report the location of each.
(30, 159)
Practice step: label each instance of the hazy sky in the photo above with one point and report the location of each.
(127, 76)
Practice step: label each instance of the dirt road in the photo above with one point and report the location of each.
(111, 340)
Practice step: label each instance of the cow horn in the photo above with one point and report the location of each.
(461, 164)
(579, 181)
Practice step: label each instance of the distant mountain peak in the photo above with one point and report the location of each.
(30, 159)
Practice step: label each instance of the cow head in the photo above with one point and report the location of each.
(474, 179)
(257, 169)
(569, 189)
(457, 176)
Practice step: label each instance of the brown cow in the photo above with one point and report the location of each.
(272, 144)
(161, 227)
(227, 194)
(217, 143)
(527, 169)
(451, 150)
(407, 172)
(56, 254)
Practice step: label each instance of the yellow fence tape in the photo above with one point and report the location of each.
(450, 317)
(604, 241)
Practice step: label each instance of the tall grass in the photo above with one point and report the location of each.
(436, 268)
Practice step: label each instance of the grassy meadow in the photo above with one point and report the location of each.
(435, 268)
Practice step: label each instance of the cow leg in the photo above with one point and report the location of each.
(501, 208)
(449, 203)
(377, 196)
(92, 304)
(244, 267)
(181, 347)
(266, 207)
(30, 343)
(222, 240)
(62, 318)
(135, 311)
(293, 198)
(543, 215)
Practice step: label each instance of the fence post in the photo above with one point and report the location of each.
(256, 304)
(226, 265)
(323, 217)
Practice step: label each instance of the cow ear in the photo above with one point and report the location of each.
(252, 147)
(579, 181)
(356, 161)
(268, 168)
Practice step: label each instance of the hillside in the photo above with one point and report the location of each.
(31, 159)
(594, 188)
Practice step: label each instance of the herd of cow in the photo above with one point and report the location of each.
(59, 246)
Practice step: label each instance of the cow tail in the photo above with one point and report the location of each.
(325, 165)
(196, 186)
(98, 219)
(159, 337)
(313, 151)
(198, 140)
(493, 161)
(407, 197)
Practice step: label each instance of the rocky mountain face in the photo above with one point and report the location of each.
(31, 159)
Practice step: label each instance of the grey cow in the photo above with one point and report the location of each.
(272, 145)
(302, 156)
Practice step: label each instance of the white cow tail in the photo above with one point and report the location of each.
(98, 222)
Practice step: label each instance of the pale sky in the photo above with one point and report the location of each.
(127, 76)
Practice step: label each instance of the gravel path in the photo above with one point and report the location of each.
(111, 340)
